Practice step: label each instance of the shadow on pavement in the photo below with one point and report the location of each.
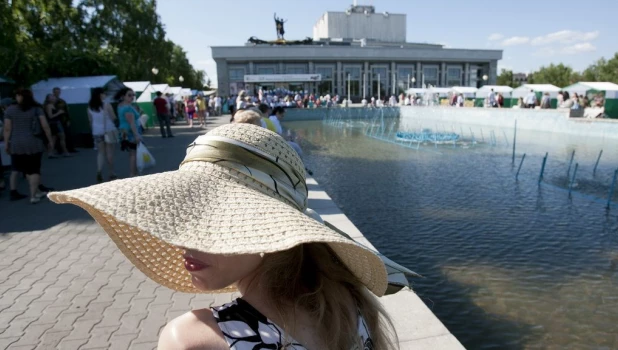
(80, 171)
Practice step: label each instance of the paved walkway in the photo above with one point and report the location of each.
(63, 283)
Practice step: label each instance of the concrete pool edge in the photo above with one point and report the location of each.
(417, 327)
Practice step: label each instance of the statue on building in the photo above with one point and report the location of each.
(279, 24)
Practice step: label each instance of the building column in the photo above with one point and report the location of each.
(443, 74)
(338, 79)
(251, 68)
(281, 68)
(393, 79)
(223, 78)
(493, 72)
(419, 75)
(466, 81)
(365, 81)
(312, 85)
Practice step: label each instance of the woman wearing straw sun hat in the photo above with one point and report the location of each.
(304, 284)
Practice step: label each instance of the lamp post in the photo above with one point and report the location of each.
(485, 77)
(155, 71)
(181, 79)
(414, 81)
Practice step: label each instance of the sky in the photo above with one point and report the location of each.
(530, 33)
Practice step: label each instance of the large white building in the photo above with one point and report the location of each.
(360, 48)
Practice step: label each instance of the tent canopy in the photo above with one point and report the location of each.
(414, 91)
(440, 91)
(503, 89)
(524, 90)
(143, 90)
(160, 87)
(611, 89)
(137, 86)
(210, 92)
(174, 90)
(183, 93)
(464, 89)
(76, 89)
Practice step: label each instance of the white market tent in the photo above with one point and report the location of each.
(174, 90)
(160, 87)
(524, 90)
(183, 93)
(443, 92)
(611, 89)
(503, 89)
(143, 89)
(76, 93)
(210, 92)
(467, 91)
(76, 90)
(416, 91)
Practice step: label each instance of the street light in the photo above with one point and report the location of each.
(414, 81)
(485, 77)
(155, 71)
(181, 79)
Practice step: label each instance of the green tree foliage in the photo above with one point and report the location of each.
(55, 38)
(602, 70)
(506, 78)
(558, 75)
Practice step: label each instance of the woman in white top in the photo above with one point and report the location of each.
(104, 132)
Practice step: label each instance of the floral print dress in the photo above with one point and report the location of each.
(245, 328)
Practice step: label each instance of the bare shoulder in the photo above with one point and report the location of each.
(195, 330)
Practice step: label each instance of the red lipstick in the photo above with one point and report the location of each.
(194, 265)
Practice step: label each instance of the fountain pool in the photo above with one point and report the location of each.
(507, 264)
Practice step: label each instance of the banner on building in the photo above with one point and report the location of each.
(282, 78)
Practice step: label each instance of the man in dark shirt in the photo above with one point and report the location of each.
(162, 108)
(65, 119)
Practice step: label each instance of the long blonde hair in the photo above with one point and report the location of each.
(311, 278)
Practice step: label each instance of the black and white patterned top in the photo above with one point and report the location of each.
(245, 328)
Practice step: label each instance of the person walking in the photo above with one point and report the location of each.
(217, 105)
(104, 133)
(65, 119)
(56, 126)
(162, 107)
(128, 118)
(24, 126)
(190, 110)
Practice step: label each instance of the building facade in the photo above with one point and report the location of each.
(357, 52)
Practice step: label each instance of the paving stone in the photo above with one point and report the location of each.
(99, 337)
(72, 343)
(66, 320)
(118, 341)
(144, 346)
(50, 340)
(17, 326)
(33, 334)
(6, 342)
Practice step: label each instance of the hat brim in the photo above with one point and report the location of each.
(208, 208)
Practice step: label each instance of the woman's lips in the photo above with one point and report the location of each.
(194, 265)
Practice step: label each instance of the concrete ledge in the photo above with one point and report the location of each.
(417, 327)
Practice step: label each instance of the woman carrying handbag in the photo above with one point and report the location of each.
(104, 132)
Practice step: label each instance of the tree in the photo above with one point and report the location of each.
(506, 78)
(56, 38)
(558, 75)
(602, 70)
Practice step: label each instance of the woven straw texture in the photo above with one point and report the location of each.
(214, 209)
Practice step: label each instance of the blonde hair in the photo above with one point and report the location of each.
(248, 116)
(311, 278)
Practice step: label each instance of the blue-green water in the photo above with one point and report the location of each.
(507, 265)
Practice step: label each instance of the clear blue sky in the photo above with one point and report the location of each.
(532, 33)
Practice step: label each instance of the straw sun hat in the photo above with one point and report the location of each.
(240, 190)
